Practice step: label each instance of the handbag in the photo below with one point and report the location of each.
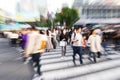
(63, 43)
(43, 45)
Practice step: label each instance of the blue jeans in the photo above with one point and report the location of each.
(77, 50)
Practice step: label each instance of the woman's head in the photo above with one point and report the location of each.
(47, 32)
(94, 32)
(64, 31)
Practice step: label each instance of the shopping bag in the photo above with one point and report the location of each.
(63, 43)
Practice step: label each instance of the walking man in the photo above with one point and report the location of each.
(35, 46)
(77, 44)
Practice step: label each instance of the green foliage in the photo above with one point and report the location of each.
(67, 15)
(45, 23)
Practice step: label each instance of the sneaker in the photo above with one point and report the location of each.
(74, 63)
(35, 75)
(26, 60)
(62, 58)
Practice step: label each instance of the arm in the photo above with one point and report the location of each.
(73, 38)
(29, 45)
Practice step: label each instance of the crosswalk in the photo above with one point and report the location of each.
(54, 67)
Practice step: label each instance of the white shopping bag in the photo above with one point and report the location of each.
(63, 43)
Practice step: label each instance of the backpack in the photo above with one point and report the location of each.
(74, 36)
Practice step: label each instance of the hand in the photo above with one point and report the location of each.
(26, 55)
(63, 39)
(76, 40)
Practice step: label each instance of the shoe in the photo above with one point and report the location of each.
(62, 57)
(74, 63)
(95, 61)
(36, 75)
(98, 56)
(81, 63)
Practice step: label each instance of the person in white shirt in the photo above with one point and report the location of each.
(77, 44)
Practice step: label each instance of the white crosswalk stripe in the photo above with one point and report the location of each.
(56, 68)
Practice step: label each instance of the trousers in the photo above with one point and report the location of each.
(36, 60)
(77, 50)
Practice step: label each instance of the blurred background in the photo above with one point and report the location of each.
(54, 15)
(49, 14)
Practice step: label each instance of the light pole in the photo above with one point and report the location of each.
(52, 23)
(52, 20)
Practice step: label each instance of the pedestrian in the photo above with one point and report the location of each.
(49, 45)
(77, 44)
(94, 42)
(63, 40)
(14, 37)
(104, 44)
(35, 46)
(54, 38)
(84, 44)
(24, 38)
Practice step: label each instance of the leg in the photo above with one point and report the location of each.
(88, 51)
(74, 54)
(94, 57)
(99, 54)
(80, 55)
(36, 59)
(62, 50)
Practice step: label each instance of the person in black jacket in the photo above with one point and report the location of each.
(63, 38)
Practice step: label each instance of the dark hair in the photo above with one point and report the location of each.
(76, 27)
(47, 32)
(29, 29)
(41, 32)
(62, 31)
(33, 27)
(92, 31)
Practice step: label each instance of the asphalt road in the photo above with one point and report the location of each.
(11, 64)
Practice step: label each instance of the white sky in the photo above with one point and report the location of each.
(8, 5)
(53, 5)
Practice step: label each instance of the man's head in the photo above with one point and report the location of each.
(78, 29)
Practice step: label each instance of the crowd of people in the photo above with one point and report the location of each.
(34, 42)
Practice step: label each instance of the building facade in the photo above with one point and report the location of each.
(4, 16)
(31, 10)
(98, 11)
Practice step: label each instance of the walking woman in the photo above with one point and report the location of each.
(49, 45)
(54, 38)
(94, 42)
(63, 40)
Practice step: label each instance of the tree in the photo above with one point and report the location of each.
(45, 23)
(67, 15)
